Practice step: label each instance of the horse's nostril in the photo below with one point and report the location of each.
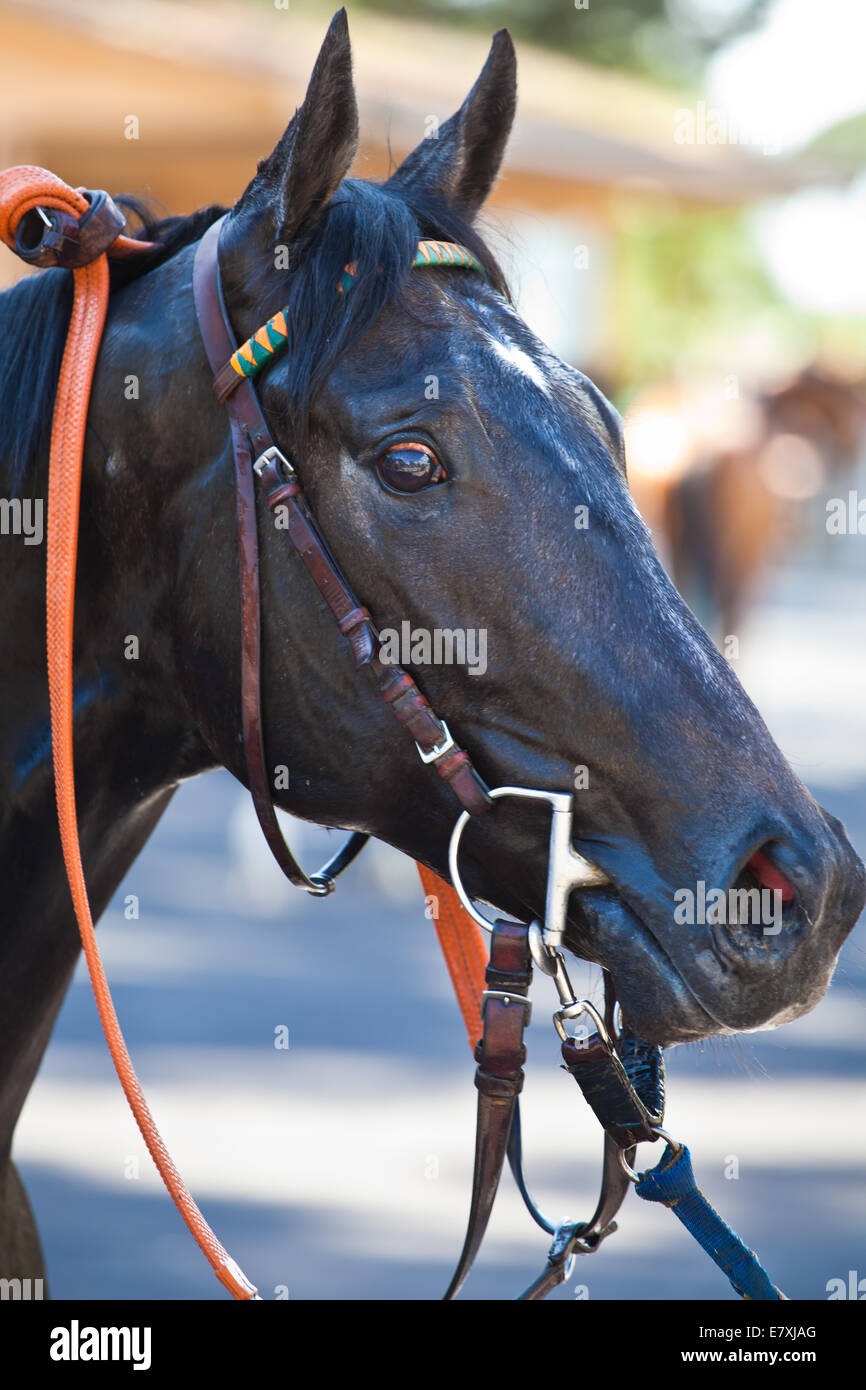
(764, 918)
(764, 870)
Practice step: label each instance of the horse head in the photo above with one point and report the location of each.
(473, 488)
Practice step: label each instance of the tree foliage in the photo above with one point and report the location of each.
(663, 38)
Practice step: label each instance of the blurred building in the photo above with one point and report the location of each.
(179, 101)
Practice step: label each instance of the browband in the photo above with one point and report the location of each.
(273, 336)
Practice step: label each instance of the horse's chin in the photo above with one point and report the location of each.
(656, 1000)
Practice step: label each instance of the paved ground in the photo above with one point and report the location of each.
(340, 1167)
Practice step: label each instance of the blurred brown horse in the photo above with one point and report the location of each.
(722, 481)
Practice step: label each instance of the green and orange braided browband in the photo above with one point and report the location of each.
(268, 340)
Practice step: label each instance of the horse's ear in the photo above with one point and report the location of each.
(461, 162)
(296, 181)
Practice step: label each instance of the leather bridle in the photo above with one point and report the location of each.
(505, 1006)
(258, 460)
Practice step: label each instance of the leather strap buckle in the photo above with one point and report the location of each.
(508, 996)
(441, 748)
(276, 458)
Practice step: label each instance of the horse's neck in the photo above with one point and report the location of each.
(133, 739)
(131, 749)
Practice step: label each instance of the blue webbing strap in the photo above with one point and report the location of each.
(673, 1183)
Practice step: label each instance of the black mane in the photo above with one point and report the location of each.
(34, 315)
(375, 225)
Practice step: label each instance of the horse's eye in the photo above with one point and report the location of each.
(410, 468)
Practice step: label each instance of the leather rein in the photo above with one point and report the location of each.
(620, 1076)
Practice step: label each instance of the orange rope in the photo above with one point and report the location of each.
(21, 190)
(463, 948)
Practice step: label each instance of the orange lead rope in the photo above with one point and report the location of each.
(463, 947)
(22, 190)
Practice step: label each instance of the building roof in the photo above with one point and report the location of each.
(215, 82)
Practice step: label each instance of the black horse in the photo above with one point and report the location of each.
(513, 520)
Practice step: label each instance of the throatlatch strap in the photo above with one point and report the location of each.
(249, 435)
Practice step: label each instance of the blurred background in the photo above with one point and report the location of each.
(683, 215)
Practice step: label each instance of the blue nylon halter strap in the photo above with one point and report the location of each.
(672, 1182)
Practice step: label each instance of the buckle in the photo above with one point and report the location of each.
(508, 997)
(444, 747)
(276, 457)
